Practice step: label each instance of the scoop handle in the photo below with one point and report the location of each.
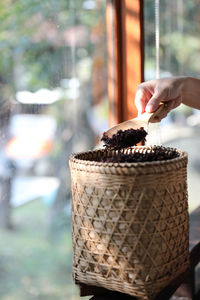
(154, 116)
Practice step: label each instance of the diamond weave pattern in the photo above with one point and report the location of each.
(130, 230)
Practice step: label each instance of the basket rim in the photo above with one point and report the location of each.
(74, 158)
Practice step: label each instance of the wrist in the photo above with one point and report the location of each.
(191, 92)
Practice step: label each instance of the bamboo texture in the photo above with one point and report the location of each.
(130, 223)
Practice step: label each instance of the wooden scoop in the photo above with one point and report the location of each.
(141, 121)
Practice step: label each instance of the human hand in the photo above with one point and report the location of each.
(151, 93)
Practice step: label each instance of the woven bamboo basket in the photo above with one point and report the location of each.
(130, 223)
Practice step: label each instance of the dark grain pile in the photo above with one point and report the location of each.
(131, 137)
(124, 139)
(157, 153)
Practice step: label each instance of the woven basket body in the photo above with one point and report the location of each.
(129, 222)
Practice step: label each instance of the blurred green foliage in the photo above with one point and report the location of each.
(33, 265)
(179, 37)
(39, 48)
(35, 49)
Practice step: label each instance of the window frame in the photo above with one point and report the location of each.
(125, 44)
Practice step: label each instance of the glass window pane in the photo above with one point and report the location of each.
(179, 55)
(53, 83)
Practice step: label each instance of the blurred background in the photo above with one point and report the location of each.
(53, 102)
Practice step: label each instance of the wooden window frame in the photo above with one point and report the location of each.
(125, 36)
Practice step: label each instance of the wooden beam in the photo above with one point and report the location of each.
(133, 53)
(115, 62)
(125, 33)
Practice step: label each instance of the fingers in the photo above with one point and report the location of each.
(150, 94)
(168, 106)
(148, 98)
(171, 105)
(177, 101)
(155, 100)
(141, 99)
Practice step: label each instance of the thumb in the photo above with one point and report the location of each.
(154, 102)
